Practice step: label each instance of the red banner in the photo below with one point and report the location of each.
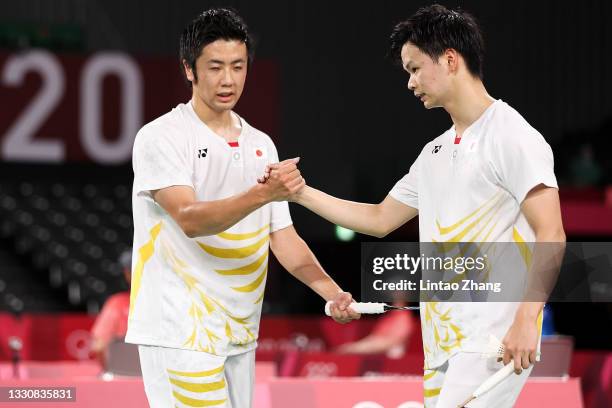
(63, 107)
(404, 393)
(297, 344)
(303, 393)
(47, 337)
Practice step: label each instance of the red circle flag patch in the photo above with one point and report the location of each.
(260, 152)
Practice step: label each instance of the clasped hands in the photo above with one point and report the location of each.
(284, 183)
(283, 180)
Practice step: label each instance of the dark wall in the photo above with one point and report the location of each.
(345, 108)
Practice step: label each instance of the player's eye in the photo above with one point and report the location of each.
(215, 68)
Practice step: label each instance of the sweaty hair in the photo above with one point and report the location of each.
(434, 29)
(210, 26)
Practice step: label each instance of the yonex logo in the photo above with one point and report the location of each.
(436, 149)
(202, 152)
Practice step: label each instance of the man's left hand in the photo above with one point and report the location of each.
(521, 343)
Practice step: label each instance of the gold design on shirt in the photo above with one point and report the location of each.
(451, 228)
(238, 341)
(260, 298)
(144, 254)
(197, 310)
(476, 227)
(235, 253)
(246, 269)
(493, 203)
(447, 336)
(250, 287)
(237, 330)
(241, 237)
(524, 249)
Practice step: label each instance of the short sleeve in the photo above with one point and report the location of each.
(406, 190)
(159, 160)
(280, 217)
(521, 161)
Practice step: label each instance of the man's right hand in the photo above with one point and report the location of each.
(282, 180)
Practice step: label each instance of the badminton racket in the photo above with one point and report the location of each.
(490, 383)
(496, 348)
(370, 307)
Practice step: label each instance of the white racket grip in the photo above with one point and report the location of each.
(495, 379)
(361, 307)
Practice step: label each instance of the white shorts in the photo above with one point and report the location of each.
(187, 378)
(452, 383)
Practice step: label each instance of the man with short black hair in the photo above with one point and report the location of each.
(203, 227)
(488, 178)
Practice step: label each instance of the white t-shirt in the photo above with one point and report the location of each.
(201, 293)
(472, 192)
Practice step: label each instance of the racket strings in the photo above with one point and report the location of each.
(390, 307)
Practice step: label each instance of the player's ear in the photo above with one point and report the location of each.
(451, 59)
(188, 71)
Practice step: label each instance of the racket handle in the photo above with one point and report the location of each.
(495, 379)
(361, 307)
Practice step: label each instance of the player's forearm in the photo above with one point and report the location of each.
(203, 218)
(546, 260)
(308, 271)
(529, 310)
(551, 235)
(545, 264)
(360, 217)
(297, 258)
(318, 280)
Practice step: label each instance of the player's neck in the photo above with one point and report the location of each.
(470, 101)
(222, 123)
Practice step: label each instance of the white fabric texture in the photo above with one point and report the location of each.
(472, 192)
(202, 293)
(185, 378)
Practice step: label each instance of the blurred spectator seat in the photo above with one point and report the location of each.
(71, 232)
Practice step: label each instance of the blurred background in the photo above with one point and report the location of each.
(79, 78)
